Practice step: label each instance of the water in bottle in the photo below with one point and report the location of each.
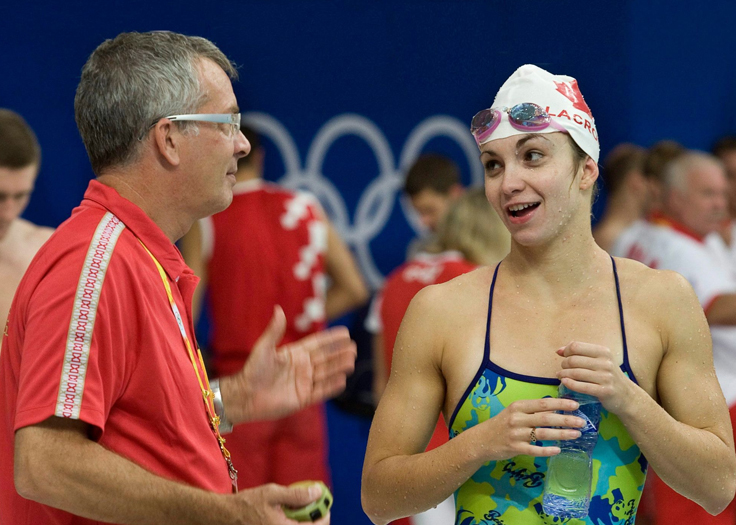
(567, 484)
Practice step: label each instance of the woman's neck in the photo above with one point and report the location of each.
(566, 262)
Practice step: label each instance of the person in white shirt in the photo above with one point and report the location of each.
(684, 238)
(628, 193)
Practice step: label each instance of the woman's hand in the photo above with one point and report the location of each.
(520, 425)
(591, 369)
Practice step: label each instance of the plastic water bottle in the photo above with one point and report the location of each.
(567, 484)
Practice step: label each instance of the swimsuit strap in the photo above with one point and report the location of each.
(487, 347)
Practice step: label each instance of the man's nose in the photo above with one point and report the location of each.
(242, 146)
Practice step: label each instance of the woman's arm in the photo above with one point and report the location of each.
(688, 439)
(399, 478)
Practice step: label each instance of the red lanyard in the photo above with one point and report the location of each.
(204, 386)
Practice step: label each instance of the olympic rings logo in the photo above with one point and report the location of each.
(376, 203)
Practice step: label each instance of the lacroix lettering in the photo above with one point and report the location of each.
(577, 118)
(84, 312)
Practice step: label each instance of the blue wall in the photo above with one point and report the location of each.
(348, 92)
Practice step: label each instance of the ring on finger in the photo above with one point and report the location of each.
(533, 435)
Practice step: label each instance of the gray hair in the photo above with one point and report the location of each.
(130, 82)
(676, 171)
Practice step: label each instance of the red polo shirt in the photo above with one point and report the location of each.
(91, 336)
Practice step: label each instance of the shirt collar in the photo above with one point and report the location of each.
(660, 219)
(448, 256)
(142, 226)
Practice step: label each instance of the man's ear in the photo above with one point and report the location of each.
(590, 174)
(167, 139)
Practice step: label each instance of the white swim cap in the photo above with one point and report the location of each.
(558, 95)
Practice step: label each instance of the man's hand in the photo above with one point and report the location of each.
(278, 381)
(263, 505)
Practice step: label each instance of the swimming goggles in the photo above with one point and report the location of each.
(526, 116)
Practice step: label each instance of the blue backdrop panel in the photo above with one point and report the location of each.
(347, 93)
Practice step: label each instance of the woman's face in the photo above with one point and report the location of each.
(535, 186)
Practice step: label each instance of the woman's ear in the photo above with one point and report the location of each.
(590, 174)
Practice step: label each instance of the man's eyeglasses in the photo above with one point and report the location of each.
(220, 118)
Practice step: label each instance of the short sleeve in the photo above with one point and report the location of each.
(75, 352)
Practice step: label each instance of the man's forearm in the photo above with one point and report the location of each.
(61, 468)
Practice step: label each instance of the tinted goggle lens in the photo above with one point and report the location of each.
(482, 120)
(529, 115)
(525, 116)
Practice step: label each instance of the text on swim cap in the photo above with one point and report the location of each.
(577, 119)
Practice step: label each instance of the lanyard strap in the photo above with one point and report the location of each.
(204, 386)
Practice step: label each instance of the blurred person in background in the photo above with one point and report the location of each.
(432, 184)
(271, 247)
(684, 237)
(469, 235)
(628, 197)
(20, 160)
(725, 149)
(657, 157)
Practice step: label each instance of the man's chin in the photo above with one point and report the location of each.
(225, 202)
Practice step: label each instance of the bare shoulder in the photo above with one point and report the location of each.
(451, 298)
(439, 313)
(33, 235)
(42, 234)
(655, 291)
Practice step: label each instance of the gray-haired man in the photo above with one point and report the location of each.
(107, 411)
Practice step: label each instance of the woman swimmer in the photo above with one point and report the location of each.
(489, 348)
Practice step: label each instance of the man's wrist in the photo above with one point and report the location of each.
(225, 425)
(235, 398)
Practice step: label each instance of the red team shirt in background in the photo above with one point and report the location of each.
(266, 249)
(91, 336)
(403, 284)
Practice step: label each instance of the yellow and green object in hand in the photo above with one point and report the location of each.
(315, 510)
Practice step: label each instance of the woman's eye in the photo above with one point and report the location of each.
(533, 156)
(491, 165)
